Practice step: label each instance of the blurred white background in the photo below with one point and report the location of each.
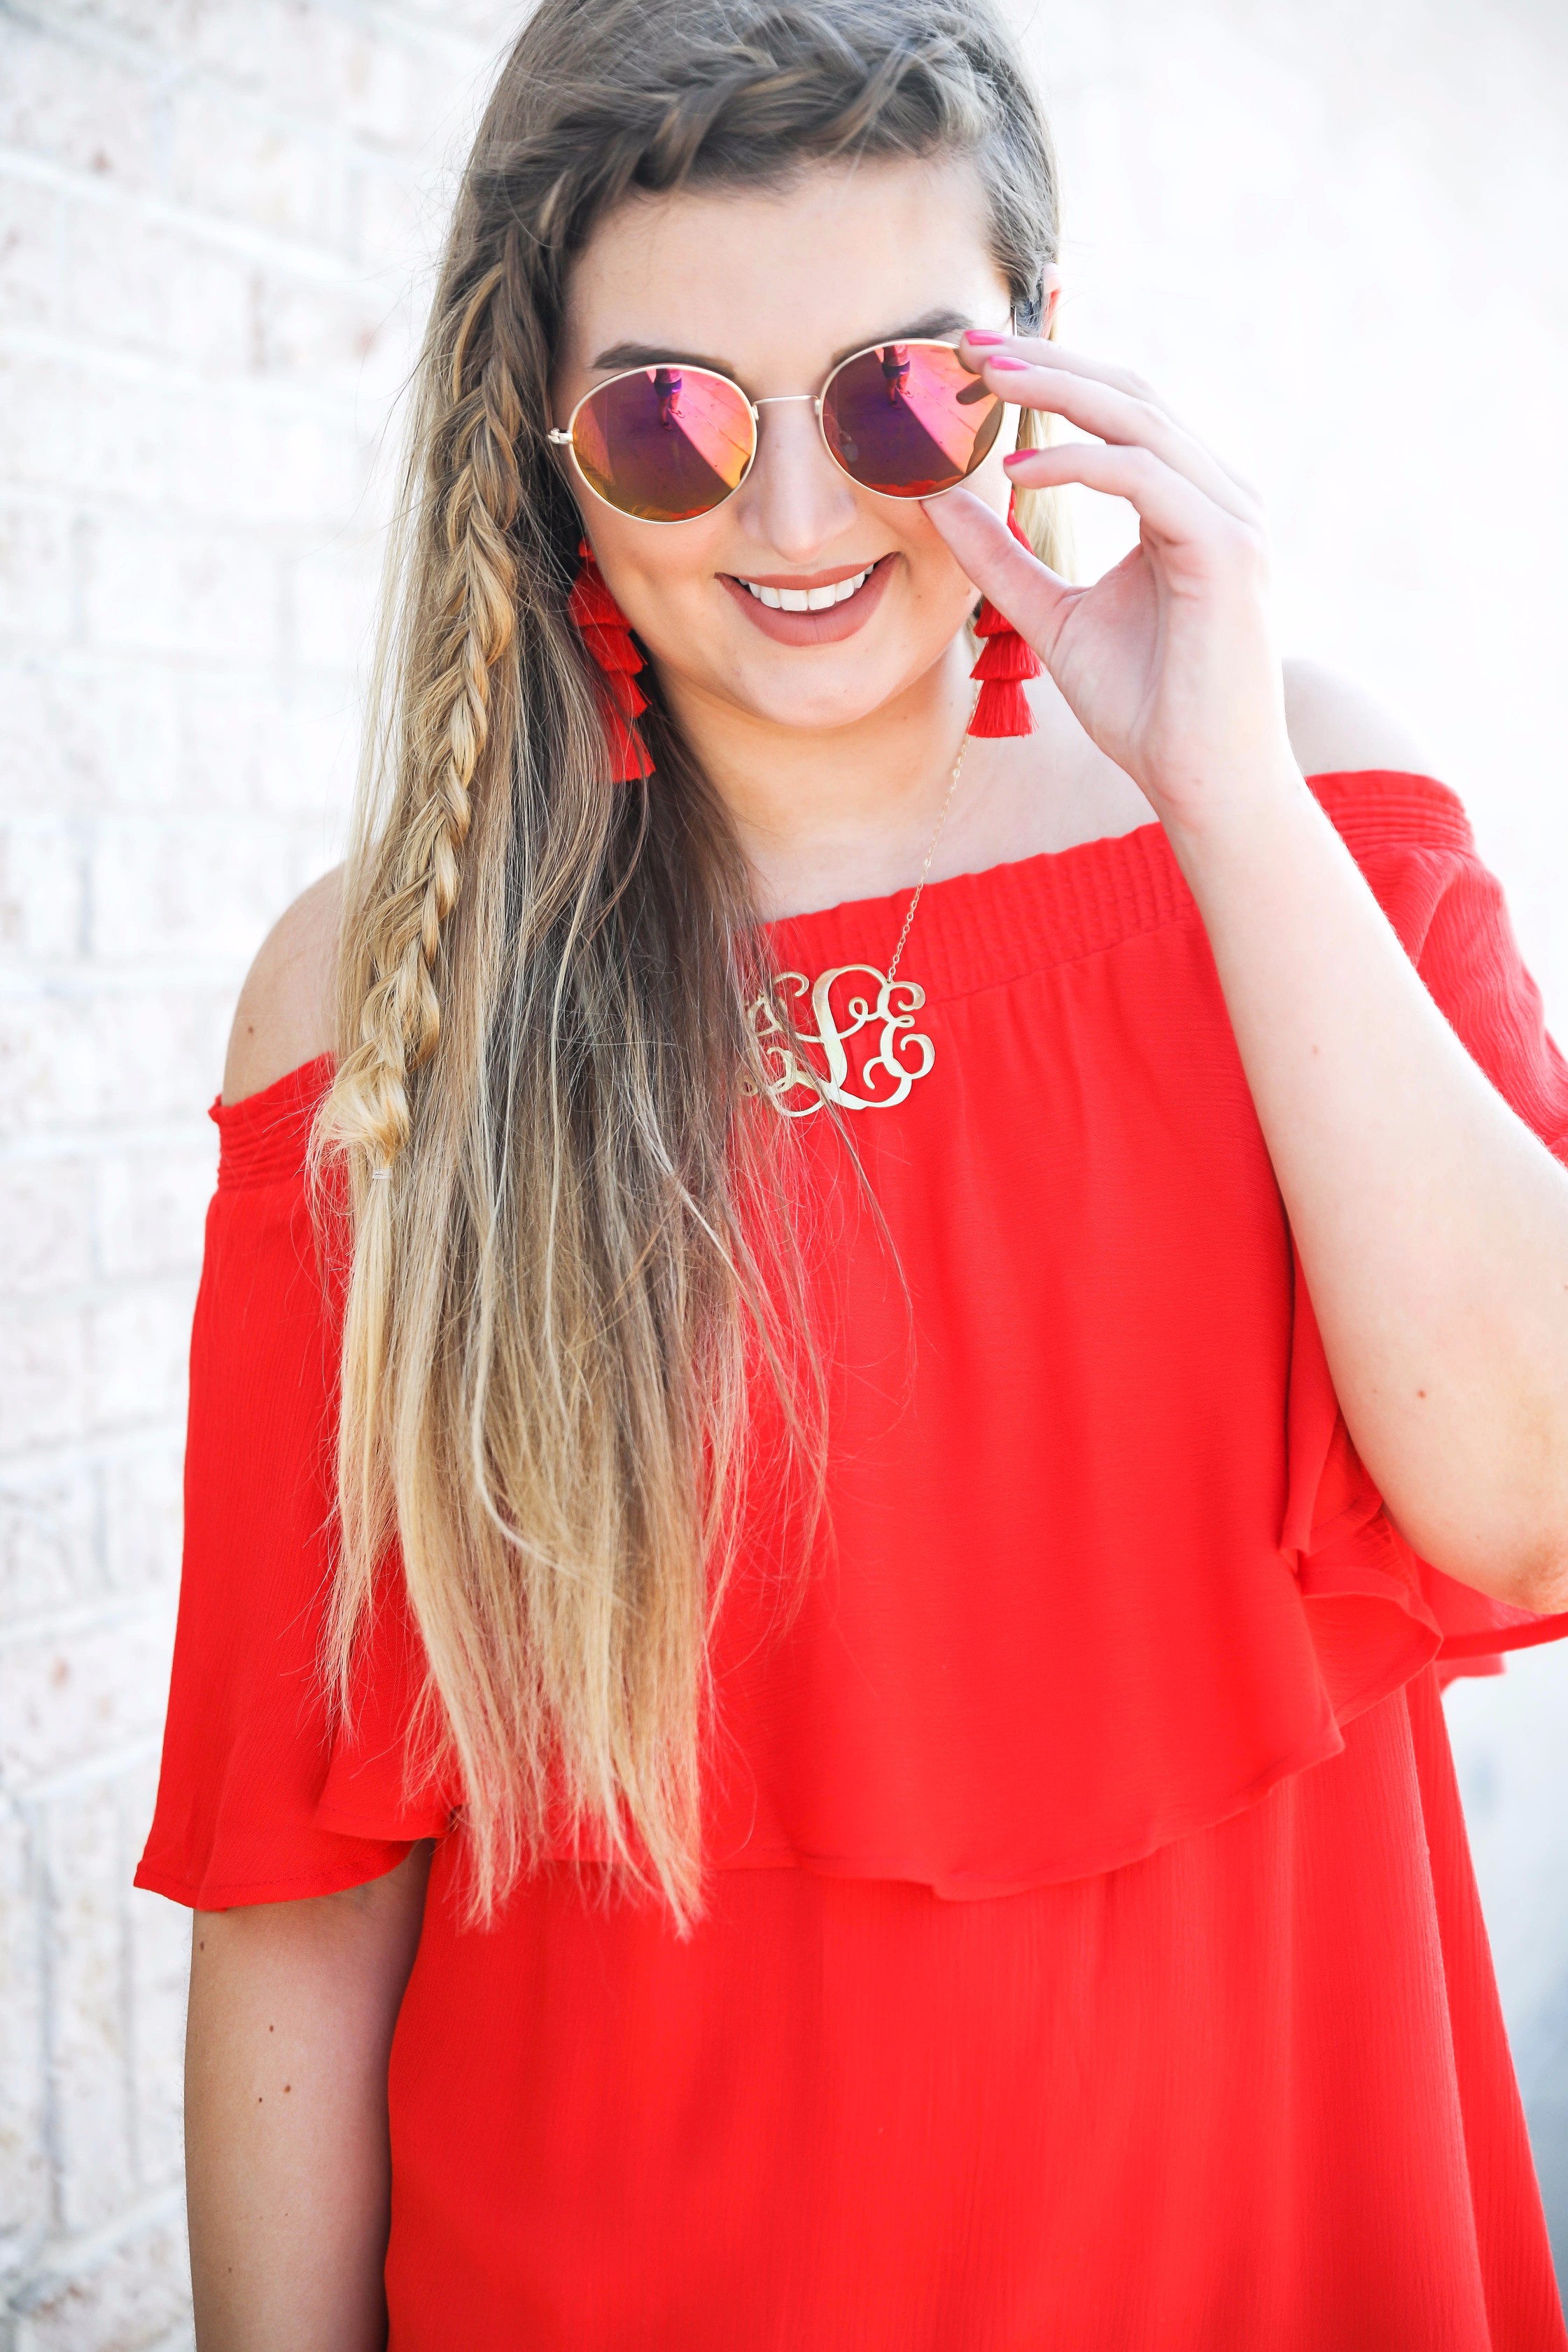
(1338, 238)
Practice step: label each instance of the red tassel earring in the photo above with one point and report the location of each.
(1001, 707)
(607, 634)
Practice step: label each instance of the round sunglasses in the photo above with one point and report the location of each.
(666, 444)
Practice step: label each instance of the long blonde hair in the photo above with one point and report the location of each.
(558, 1305)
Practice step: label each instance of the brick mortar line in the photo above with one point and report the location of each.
(121, 1442)
(255, 386)
(82, 826)
(329, 265)
(158, 822)
(103, 1614)
(50, 980)
(99, 1143)
(29, 1463)
(312, 533)
(103, 1290)
(286, 676)
(76, 660)
(51, 1144)
(115, 1765)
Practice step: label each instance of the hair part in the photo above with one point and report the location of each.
(574, 1277)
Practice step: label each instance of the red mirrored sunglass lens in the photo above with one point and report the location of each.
(908, 419)
(664, 442)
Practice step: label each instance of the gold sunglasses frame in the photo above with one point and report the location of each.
(564, 435)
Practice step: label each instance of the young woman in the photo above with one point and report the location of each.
(868, 1336)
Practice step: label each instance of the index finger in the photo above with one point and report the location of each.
(1039, 352)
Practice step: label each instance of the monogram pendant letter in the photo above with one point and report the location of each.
(899, 1054)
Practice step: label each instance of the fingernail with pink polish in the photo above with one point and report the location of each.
(982, 337)
(1019, 367)
(1018, 457)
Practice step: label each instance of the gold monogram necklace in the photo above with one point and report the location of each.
(796, 1087)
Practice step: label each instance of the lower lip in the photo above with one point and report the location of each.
(827, 628)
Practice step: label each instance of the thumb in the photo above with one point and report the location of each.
(1025, 591)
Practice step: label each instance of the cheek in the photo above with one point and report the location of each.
(677, 566)
(938, 584)
(655, 572)
(658, 596)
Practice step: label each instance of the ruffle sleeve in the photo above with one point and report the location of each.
(1414, 844)
(260, 1798)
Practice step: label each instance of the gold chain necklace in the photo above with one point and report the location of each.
(796, 1087)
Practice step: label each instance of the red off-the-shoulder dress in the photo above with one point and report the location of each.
(1093, 1958)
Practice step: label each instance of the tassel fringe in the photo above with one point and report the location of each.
(606, 633)
(1001, 707)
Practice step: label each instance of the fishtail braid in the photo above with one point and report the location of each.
(474, 471)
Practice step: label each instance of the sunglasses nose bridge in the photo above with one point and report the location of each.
(795, 499)
(786, 400)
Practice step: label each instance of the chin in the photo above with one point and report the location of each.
(827, 685)
(787, 696)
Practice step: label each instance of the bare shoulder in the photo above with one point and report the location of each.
(284, 1017)
(1337, 727)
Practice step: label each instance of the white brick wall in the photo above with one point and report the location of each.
(1340, 243)
(214, 219)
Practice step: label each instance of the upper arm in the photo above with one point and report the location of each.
(292, 2015)
(1337, 728)
(285, 1015)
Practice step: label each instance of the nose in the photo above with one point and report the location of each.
(795, 501)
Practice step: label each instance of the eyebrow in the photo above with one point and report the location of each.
(936, 325)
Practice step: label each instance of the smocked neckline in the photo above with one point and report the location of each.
(264, 1137)
(1001, 922)
(1004, 922)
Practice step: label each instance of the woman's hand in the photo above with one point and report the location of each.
(1168, 662)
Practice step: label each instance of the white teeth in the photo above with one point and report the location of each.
(807, 600)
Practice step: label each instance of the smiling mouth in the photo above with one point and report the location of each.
(807, 600)
(815, 608)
